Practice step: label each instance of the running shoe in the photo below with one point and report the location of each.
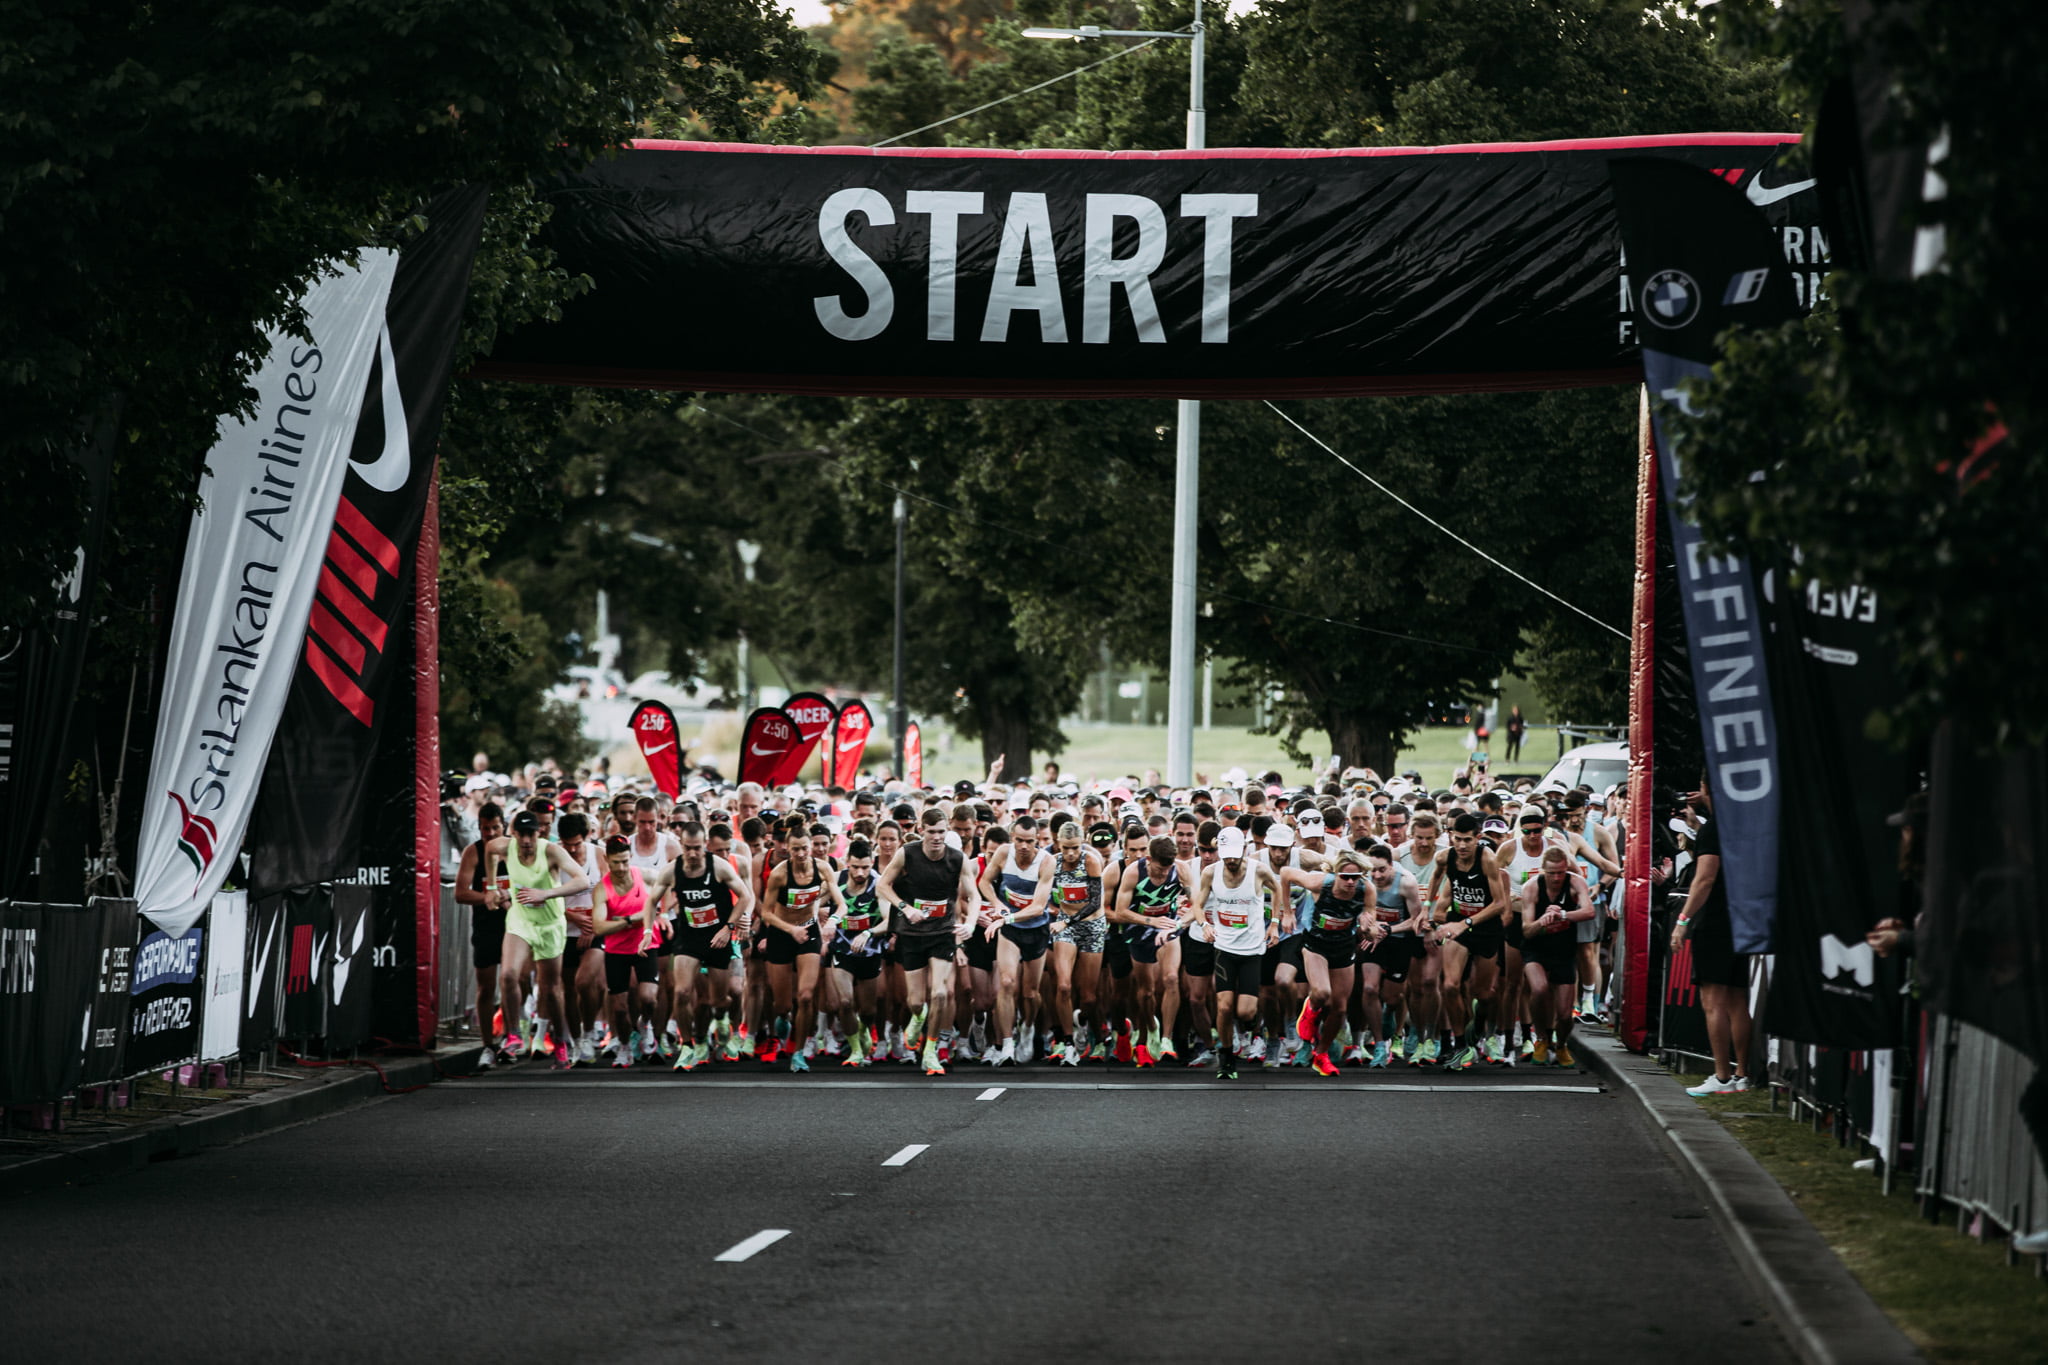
(767, 1050)
(854, 1050)
(1494, 1052)
(1463, 1059)
(1305, 1022)
(1382, 1053)
(1226, 1070)
(1353, 1055)
(1563, 1057)
(1004, 1054)
(513, 1048)
(1529, 1046)
(1711, 1086)
(1257, 1051)
(1539, 1053)
(487, 1060)
(913, 1033)
(565, 1059)
(1166, 1051)
(1141, 1055)
(622, 1056)
(1425, 1055)
(1203, 1058)
(586, 1051)
(1072, 1055)
(1123, 1045)
(667, 1048)
(932, 1065)
(1323, 1065)
(1397, 1051)
(1099, 1052)
(797, 1062)
(1023, 1056)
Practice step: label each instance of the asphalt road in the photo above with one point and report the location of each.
(525, 1216)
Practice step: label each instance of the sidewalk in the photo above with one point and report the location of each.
(160, 1124)
(1827, 1316)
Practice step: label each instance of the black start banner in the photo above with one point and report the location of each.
(263, 965)
(1221, 274)
(308, 951)
(165, 980)
(106, 1042)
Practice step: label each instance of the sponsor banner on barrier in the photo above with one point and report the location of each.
(1702, 258)
(654, 728)
(354, 677)
(263, 960)
(165, 988)
(308, 953)
(106, 1044)
(253, 562)
(49, 957)
(1247, 272)
(220, 1014)
(349, 973)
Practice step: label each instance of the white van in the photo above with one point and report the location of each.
(1598, 766)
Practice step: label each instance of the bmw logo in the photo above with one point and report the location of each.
(1671, 299)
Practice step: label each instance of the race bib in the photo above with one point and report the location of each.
(1331, 923)
(1234, 919)
(805, 898)
(859, 924)
(702, 916)
(928, 910)
(1074, 894)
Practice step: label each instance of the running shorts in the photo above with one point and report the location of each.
(1588, 930)
(486, 936)
(861, 966)
(1486, 941)
(1087, 935)
(1285, 953)
(1339, 952)
(1144, 943)
(543, 928)
(1116, 954)
(918, 950)
(980, 951)
(1197, 958)
(1714, 959)
(783, 950)
(621, 970)
(1393, 955)
(1031, 943)
(1559, 959)
(1238, 973)
(696, 943)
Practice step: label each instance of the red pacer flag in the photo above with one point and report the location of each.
(913, 755)
(654, 726)
(850, 733)
(768, 738)
(812, 715)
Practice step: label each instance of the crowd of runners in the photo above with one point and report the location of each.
(1364, 922)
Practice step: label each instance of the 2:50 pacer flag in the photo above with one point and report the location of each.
(347, 688)
(766, 741)
(253, 562)
(654, 728)
(850, 731)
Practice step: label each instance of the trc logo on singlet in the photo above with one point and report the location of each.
(1671, 299)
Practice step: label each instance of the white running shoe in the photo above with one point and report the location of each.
(1024, 1048)
(1257, 1051)
(1714, 1086)
(1004, 1055)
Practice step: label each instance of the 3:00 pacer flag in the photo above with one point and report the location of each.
(654, 728)
(253, 561)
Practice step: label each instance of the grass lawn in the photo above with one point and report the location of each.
(1954, 1296)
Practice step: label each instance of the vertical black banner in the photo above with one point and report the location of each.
(48, 957)
(165, 985)
(348, 970)
(264, 953)
(39, 671)
(1837, 869)
(346, 692)
(106, 1044)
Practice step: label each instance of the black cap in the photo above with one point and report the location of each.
(526, 822)
(963, 788)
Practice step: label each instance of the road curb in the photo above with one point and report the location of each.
(1827, 1316)
(322, 1093)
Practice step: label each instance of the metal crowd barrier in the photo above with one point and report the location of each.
(457, 976)
(1976, 1155)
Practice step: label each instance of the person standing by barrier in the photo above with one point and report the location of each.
(1721, 973)
(476, 887)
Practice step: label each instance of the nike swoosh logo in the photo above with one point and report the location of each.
(262, 973)
(658, 748)
(758, 752)
(850, 745)
(1760, 196)
(389, 471)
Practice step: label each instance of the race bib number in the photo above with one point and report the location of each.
(1234, 919)
(805, 898)
(859, 924)
(1331, 923)
(1074, 894)
(928, 910)
(702, 916)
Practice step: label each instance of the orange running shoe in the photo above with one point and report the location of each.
(1306, 1024)
(1123, 1045)
(1323, 1065)
(1142, 1055)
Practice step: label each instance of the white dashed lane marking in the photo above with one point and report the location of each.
(761, 1240)
(908, 1154)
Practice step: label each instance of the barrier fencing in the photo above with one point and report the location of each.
(93, 995)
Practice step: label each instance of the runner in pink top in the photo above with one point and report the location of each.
(621, 916)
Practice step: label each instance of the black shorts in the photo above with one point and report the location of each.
(1031, 943)
(1144, 947)
(621, 970)
(1116, 953)
(1287, 952)
(918, 950)
(860, 966)
(1237, 973)
(1560, 968)
(486, 936)
(572, 954)
(696, 943)
(1489, 940)
(1196, 957)
(1393, 955)
(1338, 952)
(783, 950)
(1714, 959)
(980, 951)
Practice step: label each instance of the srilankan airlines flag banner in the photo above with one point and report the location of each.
(252, 565)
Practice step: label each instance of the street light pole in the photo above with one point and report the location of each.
(899, 714)
(1180, 660)
(749, 552)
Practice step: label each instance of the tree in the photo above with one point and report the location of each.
(1895, 424)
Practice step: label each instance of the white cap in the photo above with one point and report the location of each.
(953, 842)
(479, 783)
(794, 791)
(1310, 822)
(1230, 842)
(1235, 777)
(1020, 799)
(1278, 837)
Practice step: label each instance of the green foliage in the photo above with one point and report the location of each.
(1864, 416)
